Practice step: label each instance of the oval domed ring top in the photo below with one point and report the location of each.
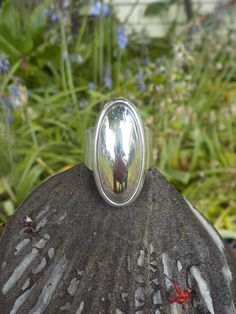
(119, 153)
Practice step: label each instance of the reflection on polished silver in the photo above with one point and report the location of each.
(118, 151)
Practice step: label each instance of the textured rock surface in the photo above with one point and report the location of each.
(93, 258)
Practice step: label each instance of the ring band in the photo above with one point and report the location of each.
(119, 151)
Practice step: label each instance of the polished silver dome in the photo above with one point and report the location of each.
(120, 152)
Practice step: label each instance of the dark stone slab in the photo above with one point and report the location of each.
(88, 257)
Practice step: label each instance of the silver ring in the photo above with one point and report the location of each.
(119, 151)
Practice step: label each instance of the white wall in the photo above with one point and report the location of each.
(157, 26)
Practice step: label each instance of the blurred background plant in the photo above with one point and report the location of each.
(60, 61)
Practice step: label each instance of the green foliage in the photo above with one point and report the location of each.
(157, 8)
(187, 95)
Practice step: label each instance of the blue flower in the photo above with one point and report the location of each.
(107, 78)
(83, 103)
(15, 90)
(100, 8)
(51, 14)
(121, 36)
(140, 81)
(91, 85)
(4, 64)
(139, 75)
(9, 104)
(8, 119)
(18, 96)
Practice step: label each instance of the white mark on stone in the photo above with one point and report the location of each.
(89, 289)
(73, 286)
(157, 298)
(41, 224)
(80, 272)
(47, 291)
(4, 264)
(128, 263)
(203, 288)
(124, 296)
(139, 278)
(40, 266)
(153, 266)
(19, 270)
(119, 311)
(61, 218)
(42, 213)
(41, 244)
(155, 281)
(226, 272)
(151, 249)
(51, 252)
(20, 301)
(179, 266)
(21, 245)
(157, 311)
(140, 261)
(81, 307)
(176, 308)
(139, 297)
(217, 240)
(26, 284)
(65, 307)
(166, 268)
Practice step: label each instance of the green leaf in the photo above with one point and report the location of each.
(156, 8)
(28, 182)
(10, 20)
(37, 20)
(181, 176)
